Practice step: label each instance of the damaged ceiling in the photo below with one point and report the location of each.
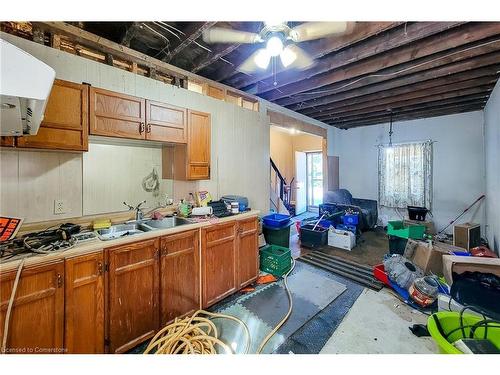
(379, 70)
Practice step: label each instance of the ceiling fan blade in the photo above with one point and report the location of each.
(258, 60)
(223, 35)
(317, 30)
(296, 58)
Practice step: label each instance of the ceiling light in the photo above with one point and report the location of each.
(262, 58)
(274, 46)
(287, 57)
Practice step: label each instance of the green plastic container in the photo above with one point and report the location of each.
(275, 259)
(277, 236)
(449, 321)
(398, 229)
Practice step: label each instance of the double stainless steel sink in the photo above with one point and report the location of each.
(138, 227)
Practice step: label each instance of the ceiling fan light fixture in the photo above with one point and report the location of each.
(262, 58)
(274, 46)
(287, 57)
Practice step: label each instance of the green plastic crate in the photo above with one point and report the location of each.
(398, 229)
(275, 259)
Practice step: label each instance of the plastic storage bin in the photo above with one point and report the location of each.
(397, 245)
(417, 213)
(397, 228)
(450, 321)
(276, 220)
(313, 238)
(277, 236)
(275, 259)
(350, 228)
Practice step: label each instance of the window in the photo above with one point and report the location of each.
(405, 175)
(314, 179)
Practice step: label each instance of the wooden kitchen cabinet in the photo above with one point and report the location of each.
(37, 316)
(165, 123)
(247, 251)
(191, 161)
(180, 275)
(84, 304)
(65, 122)
(7, 141)
(218, 259)
(117, 115)
(133, 294)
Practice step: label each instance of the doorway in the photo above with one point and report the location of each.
(314, 180)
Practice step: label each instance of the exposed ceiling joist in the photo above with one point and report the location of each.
(215, 56)
(194, 34)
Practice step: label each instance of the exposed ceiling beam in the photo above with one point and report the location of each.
(378, 92)
(440, 47)
(424, 113)
(382, 43)
(316, 48)
(357, 89)
(216, 54)
(129, 34)
(450, 102)
(451, 97)
(373, 101)
(191, 36)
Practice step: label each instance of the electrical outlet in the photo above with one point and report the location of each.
(59, 207)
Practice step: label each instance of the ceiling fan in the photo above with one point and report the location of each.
(280, 41)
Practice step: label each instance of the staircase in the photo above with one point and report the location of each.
(280, 192)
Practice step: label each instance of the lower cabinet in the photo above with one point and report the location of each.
(180, 275)
(218, 261)
(37, 317)
(133, 294)
(247, 251)
(84, 304)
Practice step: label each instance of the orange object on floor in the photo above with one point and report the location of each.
(266, 279)
(248, 289)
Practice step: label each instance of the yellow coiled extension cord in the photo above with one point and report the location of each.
(198, 335)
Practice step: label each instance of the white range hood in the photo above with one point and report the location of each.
(25, 84)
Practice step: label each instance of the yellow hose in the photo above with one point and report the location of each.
(198, 335)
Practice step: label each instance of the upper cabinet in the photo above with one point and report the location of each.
(117, 115)
(165, 123)
(65, 123)
(191, 161)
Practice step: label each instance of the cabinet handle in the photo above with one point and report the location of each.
(141, 128)
(149, 128)
(59, 280)
(99, 268)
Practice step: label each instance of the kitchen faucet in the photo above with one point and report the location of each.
(138, 213)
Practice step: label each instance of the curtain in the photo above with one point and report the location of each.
(405, 175)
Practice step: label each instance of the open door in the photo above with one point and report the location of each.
(300, 181)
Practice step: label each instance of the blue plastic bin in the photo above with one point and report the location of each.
(350, 219)
(350, 228)
(276, 220)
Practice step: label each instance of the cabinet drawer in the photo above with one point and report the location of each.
(248, 225)
(220, 233)
(179, 242)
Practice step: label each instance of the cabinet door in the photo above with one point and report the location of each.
(165, 123)
(7, 141)
(180, 275)
(84, 304)
(37, 316)
(65, 122)
(218, 262)
(133, 294)
(198, 149)
(116, 115)
(248, 251)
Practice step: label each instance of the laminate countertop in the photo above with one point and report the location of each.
(98, 244)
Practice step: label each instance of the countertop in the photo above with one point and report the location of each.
(98, 245)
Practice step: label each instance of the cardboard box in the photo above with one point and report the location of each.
(458, 264)
(343, 239)
(426, 255)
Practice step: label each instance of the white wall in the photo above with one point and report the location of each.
(240, 137)
(458, 169)
(492, 155)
